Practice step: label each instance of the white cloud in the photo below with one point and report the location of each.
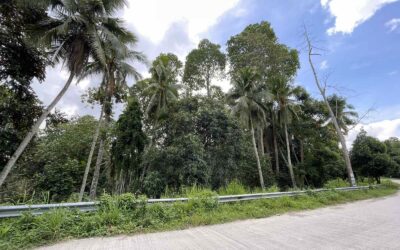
(349, 14)
(393, 24)
(324, 65)
(152, 18)
(382, 130)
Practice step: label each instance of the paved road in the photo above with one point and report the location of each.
(369, 224)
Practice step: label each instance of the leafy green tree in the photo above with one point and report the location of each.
(393, 149)
(369, 157)
(257, 46)
(127, 148)
(162, 86)
(73, 34)
(202, 65)
(246, 101)
(20, 62)
(57, 162)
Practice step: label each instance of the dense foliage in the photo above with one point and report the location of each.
(266, 131)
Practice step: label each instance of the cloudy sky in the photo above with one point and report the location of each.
(359, 38)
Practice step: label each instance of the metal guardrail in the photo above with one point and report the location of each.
(15, 211)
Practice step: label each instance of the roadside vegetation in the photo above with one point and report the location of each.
(176, 130)
(125, 214)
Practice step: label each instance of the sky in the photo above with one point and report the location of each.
(359, 41)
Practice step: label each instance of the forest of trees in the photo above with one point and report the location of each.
(177, 128)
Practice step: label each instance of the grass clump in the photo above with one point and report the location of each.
(126, 214)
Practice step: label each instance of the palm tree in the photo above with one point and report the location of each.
(73, 33)
(161, 86)
(114, 86)
(246, 99)
(282, 94)
(344, 113)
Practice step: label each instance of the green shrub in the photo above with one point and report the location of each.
(234, 187)
(336, 183)
(202, 199)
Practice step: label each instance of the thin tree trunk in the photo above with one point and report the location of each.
(342, 140)
(96, 174)
(11, 162)
(257, 157)
(288, 157)
(208, 85)
(301, 151)
(261, 141)
(293, 150)
(89, 162)
(276, 151)
(107, 109)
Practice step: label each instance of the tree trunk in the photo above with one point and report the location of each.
(257, 157)
(262, 141)
(89, 162)
(208, 85)
(288, 157)
(10, 164)
(107, 109)
(293, 150)
(276, 152)
(96, 174)
(301, 151)
(342, 140)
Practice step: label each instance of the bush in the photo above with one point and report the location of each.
(125, 201)
(234, 187)
(336, 183)
(202, 199)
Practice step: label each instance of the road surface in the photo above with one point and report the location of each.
(368, 224)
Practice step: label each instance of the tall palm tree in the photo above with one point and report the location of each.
(114, 85)
(161, 86)
(73, 33)
(283, 93)
(246, 100)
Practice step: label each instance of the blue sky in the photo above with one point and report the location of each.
(360, 39)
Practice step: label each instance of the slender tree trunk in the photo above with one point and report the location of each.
(293, 150)
(262, 141)
(107, 109)
(96, 174)
(89, 161)
(339, 132)
(301, 151)
(289, 161)
(275, 151)
(267, 143)
(11, 162)
(257, 157)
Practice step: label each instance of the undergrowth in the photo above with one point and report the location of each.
(126, 214)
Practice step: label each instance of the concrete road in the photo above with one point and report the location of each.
(369, 224)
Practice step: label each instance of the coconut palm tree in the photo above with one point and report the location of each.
(74, 34)
(283, 94)
(344, 113)
(114, 85)
(162, 86)
(246, 99)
